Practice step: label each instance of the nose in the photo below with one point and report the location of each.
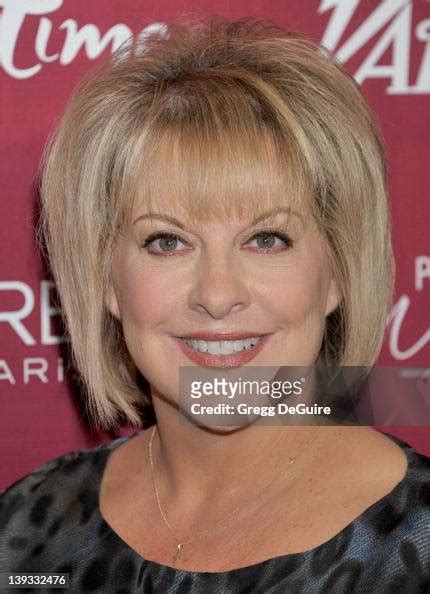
(219, 287)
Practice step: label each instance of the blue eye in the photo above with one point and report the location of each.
(268, 240)
(167, 242)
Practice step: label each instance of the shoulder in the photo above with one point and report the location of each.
(416, 497)
(387, 547)
(416, 482)
(402, 520)
(59, 494)
(55, 473)
(411, 496)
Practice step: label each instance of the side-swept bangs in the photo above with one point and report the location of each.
(215, 178)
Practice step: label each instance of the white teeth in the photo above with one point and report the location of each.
(222, 347)
(201, 345)
(214, 348)
(226, 349)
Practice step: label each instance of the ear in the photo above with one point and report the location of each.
(111, 302)
(333, 296)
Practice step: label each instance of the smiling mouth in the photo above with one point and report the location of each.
(222, 347)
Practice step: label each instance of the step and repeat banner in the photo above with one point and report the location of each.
(47, 46)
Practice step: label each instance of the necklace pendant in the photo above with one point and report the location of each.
(177, 555)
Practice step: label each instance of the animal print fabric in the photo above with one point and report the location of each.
(50, 522)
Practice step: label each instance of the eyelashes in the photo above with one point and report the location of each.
(171, 240)
(286, 239)
(168, 237)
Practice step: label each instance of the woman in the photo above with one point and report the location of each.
(217, 200)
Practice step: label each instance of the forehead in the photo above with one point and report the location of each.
(201, 179)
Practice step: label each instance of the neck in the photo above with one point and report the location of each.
(194, 465)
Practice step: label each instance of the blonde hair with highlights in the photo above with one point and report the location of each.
(198, 113)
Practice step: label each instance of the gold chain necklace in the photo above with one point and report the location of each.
(179, 542)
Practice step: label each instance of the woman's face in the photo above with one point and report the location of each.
(268, 278)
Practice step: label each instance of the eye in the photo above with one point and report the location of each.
(162, 243)
(266, 240)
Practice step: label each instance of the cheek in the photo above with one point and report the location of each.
(147, 297)
(296, 302)
(297, 294)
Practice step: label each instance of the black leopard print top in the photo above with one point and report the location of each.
(50, 522)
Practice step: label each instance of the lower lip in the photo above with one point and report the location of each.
(234, 360)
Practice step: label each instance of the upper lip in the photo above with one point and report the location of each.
(222, 335)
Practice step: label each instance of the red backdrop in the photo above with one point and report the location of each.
(46, 46)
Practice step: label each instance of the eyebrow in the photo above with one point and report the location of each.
(264, 216)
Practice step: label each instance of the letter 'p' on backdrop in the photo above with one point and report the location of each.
(47, 46)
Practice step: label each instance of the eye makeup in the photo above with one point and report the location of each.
(173, 237)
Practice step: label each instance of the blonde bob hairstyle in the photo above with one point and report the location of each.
(194, 117)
